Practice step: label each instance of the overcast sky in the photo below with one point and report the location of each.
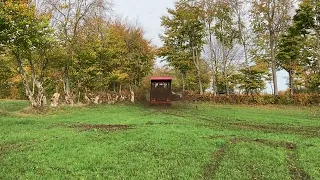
(148, 13)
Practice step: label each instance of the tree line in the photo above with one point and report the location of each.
(76, 48)
(241, 44)
(72, 47)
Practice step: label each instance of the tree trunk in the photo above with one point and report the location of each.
(225, 70)
(318, 43)
(214, 84)
(41, 98)
(67, 85)
(132, 97)
(227, 88)
(29, 92)
(272, 38)
(197, 65)
(273, 63)
(212, 61)
(183, 82)
(67, 80)
(68, 95)
(25, 80)
(291, 82)
(199, 73)
(200, 83)
(79, 95)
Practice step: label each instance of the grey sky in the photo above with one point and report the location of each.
(148, 13)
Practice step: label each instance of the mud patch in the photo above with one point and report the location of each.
(150, 123)
(217, 137)
(101, 127)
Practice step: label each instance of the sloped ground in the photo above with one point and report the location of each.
(185, 141)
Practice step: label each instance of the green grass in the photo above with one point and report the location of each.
(11, 106)
(192, 141)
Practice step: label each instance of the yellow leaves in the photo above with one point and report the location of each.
(16, 79)
(260, 66)
(118, 76)
(23, 5)
(18, 6)
(64, 6)
(55, 74)
(8, 3)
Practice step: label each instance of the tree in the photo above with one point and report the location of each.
(224, 38)
(27, 37)
(242, 29)
(226, 34)
(179, 59)
(183, 37)
(67, 18)
(269, 19)
(139, 57)
(251, 79)
(111, 55)
(294, 47)
(313, 62)
(288, 56)
(6, 74)
(208, 8)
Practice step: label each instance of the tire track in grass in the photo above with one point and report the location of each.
(295, 170)
(303, 130)
(211, 168)
(8, 147)
(308, 131)
(101, 127)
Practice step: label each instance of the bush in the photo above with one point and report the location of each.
(282, 99)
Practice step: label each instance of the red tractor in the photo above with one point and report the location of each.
(160, 92)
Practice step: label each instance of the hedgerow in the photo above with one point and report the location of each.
(282, 99)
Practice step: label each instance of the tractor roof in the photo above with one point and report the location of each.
(164, 78)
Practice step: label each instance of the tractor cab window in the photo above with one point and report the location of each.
(158, 85)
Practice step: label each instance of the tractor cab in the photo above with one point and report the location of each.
(160, 92)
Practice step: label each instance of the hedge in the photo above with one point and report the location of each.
(282, 99)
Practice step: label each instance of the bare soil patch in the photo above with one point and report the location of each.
(101, 127)
(150, 123)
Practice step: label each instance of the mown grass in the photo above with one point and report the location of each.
(185, 141)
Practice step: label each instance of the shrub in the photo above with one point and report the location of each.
(282, 99)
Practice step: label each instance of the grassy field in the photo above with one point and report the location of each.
(195, 141)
